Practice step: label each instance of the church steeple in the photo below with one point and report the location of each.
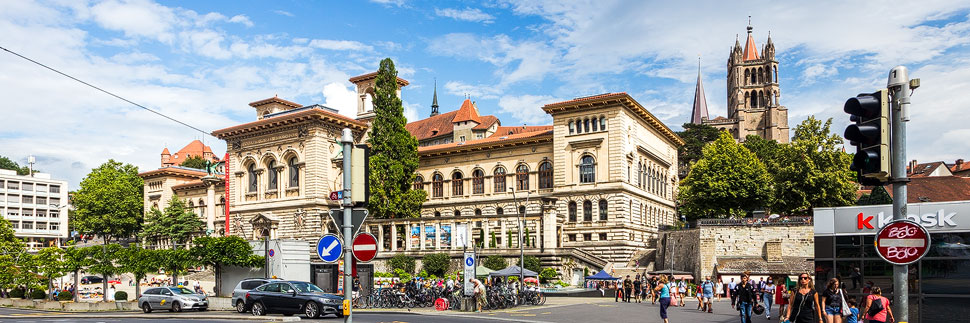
(750, 49)
(434, 102)
(699, 113)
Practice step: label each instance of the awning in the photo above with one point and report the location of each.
(513, 271)
(602, 275)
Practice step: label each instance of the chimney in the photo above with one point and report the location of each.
(959, 161)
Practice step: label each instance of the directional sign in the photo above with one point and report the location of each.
(365, 247)
(336, 195)
(356, 219)
(328, 248)
(902, 242)
(469, 266)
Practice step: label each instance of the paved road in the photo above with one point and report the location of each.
(605, 312)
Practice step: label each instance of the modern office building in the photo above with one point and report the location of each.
(36, 207)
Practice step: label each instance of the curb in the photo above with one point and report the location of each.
(77, 315)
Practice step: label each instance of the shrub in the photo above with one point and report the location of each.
(17, 293)
(37, 294)
(491, 244)
(402, 262)
(495, 262)
(548, 274)
(533, 263)
(65, 296)
(121, 296)
(437, 263)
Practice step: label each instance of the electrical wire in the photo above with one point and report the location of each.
(105, 91)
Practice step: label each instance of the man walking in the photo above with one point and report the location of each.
(707, 288)
(627, 288)
(732, 292)
(746, 298)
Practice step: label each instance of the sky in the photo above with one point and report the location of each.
(202, 62)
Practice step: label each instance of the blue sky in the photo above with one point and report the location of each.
(202, 62)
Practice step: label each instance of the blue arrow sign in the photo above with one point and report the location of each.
(469, 261)
(328, 248)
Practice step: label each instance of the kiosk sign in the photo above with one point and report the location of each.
(902, 242)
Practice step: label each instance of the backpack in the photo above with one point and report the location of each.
(876, 307)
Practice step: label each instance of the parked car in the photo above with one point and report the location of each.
(174, 299)
(246, 285)
(292, 297)
(91, 280)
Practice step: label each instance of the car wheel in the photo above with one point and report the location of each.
(311, 310)
(176, 307)
(240, 306)
(259, 309)
(146, 308)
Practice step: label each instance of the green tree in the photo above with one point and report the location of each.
(394, 153)
(878, 196)
(196, 162)
(103, 262)
(766, 150)
(76, 259)
(728, 181)
(533, 263)
(548, 274)
(492, 244)
(50, 264)
(138, 262)
(695, 136)
(177, 224)
(7, 163)
(403, 262)
(495, 263)
(109, 203)
(528, 239)
(176, 261)
(11, 250)
(812, 171)
(219, 252)
(27, 267)
(436, 263)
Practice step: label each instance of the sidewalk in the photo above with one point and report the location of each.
(154, 316)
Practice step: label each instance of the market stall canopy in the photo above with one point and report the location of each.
(482, 271)
(602, 275)
(513, 271)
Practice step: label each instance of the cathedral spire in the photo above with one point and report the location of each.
(750, 50)
(434, 102)
(700, 100)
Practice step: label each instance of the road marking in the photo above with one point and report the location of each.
(545, 313)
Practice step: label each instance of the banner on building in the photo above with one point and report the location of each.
(429, 232)
(225, 206)
(445, 235)
(461, 235)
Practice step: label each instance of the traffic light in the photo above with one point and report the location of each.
(870, 135)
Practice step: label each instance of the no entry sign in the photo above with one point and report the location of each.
(902, 242)
(365, 247)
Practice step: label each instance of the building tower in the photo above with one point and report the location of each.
(434, 102)
(699, 114)
(753, 92)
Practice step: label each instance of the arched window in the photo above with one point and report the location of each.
(272, 178)
(478, 181)
(499, 211)
(640, 175)
(545, 175)
(419, 182)
(437, 185)
(603, 123)
(522, 178)
(499, 178)
(457, 213)
(596, 124)
(746, 74)
(761, 75)
(754, 77)
(456, 184)
(478, 212)
(747, 98)
(572, 211)
(437, 214)
(585, 125)
(587, 211)
(522, 209)
(253, 179)
(587, 172)
(603, 210)
(572, 126)
(776, 73)
(294, 172)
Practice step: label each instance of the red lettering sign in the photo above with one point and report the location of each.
(863, 223)
(902, 242)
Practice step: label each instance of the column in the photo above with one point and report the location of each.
(486, 237)
(407, 236)
(210, 201)
(380, 237)
(454, 229)
(505, 237)
(393, 236)
(421, 235)
(437, 236)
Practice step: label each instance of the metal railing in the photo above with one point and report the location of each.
(780, 221)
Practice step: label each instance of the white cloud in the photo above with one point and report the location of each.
(283, 13)
(341, 98)
(467, 14)
(136, 18)
(475, 91)
(339, 45)
(411, 111)
(517, 60)
(527, 109)
(815, 71)
(241, 19)
(399, 3)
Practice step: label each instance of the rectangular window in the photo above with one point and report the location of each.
(572, 237)
(55, 214)
(461, 138)
(28, 187)
(31, 213)
(478, 185)
(15, 224)
(13, 214)
(27, 199)
(56, 201)
(41, 188)
(55, 189)
(587, 237)
(13, 198)
(55, 226)
(13, 185)
(42, 201)
(602, 236)
(28, 225)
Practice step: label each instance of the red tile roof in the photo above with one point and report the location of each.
(467, 112)
(425, 128)
(165, 151)
(194, 148)
(960, 168)
(936, 189)
(287, 118)
(373, 75)
(750, 50)
(494, 139)
(487, 121)
(923, 170)
(275, 100)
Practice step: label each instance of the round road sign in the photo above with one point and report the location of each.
(328, 248)
(365, 247)
(902, 242)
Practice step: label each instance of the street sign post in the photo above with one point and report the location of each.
(356, 218)
(468, 262)
(902, 242)
(329, 248)
(365, 247)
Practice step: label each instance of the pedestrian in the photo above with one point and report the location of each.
(637, 285)
(853, 310)
(698, 294)
(731, 293)
(627, 288)
(832, 298)
(707, 287)
(479, 292)
(804, 306)
(618, 292)
(856, 277)
(654, 294)
(746, 297)
(681, 290)
(664, 293)
(720, 289)
(768, 296)
(877, 307)
(111, 293)
(781, 298)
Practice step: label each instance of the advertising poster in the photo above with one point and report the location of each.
(461, 235)
(416, 236)
(446, 236)
(429, 236)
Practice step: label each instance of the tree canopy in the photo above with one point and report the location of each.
(695, 136)
(109, 202)
(11, 251)
(7, 163)
(394, 153)
(218, 252)
(196, 162)
(728, 181)
(176, 224)
(878, 196)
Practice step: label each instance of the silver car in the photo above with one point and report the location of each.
(173, 299)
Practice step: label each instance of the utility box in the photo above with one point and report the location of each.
(287, 259)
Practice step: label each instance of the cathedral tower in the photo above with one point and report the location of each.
(753, 93)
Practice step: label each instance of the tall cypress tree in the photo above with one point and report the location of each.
(394, 153)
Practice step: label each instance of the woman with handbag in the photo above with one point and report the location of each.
(781, 298)
(877, 308)
(832, 298)
(663, 289)
(804, 306)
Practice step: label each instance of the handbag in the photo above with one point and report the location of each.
(845, 306)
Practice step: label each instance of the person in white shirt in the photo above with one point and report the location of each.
(111, 293)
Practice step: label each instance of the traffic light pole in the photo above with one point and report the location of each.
(899, 90)
(348, 142)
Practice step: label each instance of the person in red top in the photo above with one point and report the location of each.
(781, 297)
(877, 308)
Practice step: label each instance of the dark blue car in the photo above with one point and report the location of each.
(293, 297)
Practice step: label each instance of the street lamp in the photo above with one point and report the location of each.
(521, 245)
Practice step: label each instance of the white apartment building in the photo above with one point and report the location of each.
(36, 207)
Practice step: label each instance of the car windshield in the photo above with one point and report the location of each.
(307, 288)
(178, 290)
